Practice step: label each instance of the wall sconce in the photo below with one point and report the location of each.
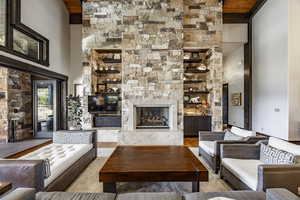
(2, 95)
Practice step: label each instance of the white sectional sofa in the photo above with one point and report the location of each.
(55, 166)
(61, 157)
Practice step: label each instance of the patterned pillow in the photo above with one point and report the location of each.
(231, 136)
(271, 155)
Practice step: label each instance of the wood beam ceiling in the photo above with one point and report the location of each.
(74, 6)
(230, 6)
(234, 10)
(238, 6)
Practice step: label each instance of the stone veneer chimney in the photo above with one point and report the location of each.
(152, 35)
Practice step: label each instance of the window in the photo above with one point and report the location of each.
(25, 45)
(3, 22)
(18, 39)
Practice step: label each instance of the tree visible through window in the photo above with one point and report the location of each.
(45, 106)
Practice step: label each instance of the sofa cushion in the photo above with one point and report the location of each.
(149, 196)
(271, 155)
(245, 170)
(231, 136)
(20, 194)
(73, 137)
(237, 195)
(61, 157)
(209, 147)
(242, 132)
(73, 196)
(281, 194)
(286, 146)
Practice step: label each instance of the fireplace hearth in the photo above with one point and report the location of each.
(152, 118)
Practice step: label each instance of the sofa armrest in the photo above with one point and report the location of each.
(254, 139)
(219, 144)
(279, 176)
(20, 194)
(23, 173)
(281, 194)
(211, 136)
(240, 151)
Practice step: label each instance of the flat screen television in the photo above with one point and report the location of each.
(103, 103)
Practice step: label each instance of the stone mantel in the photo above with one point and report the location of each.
(151, 137)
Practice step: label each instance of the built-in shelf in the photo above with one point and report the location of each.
(197, 92)
(189, 103)
(196, 50)
(105, 51)
(192, 81)
(196, 71)
(110, 82)
(193, 60)
(107, 71)
(106, 60)
(108, 93)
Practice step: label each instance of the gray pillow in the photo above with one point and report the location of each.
(231, 136)
(271, 155)
(73, 137)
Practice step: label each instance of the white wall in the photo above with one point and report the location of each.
(294, 70)
(76, 69)
(235, 33)
(50, 18)
(234, 76)
(270, 69)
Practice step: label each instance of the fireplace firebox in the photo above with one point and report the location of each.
(152, 118)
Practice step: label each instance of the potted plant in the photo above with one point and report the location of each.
(74, 112)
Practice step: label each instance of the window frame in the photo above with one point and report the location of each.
(13, 21)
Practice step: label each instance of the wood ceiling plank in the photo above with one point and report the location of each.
(74, 6)
(238, 6)
(230, 6)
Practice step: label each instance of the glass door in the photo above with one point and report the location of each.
(45, 107)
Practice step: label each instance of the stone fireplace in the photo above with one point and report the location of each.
(152, 36)
(161, 125)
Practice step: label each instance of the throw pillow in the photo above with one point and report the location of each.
(231, 136)
(271, 155)
(73, 137)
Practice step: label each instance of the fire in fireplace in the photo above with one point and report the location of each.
(152, 118)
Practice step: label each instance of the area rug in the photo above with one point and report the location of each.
(178, 187)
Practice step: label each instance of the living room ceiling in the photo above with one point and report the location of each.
(74, 6)
(230, 6)
(238, 6)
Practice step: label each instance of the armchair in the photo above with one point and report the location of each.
(242, 168)
(210, 144)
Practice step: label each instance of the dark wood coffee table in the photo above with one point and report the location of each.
(152, 164)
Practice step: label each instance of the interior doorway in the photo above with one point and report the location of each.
(225, 104)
